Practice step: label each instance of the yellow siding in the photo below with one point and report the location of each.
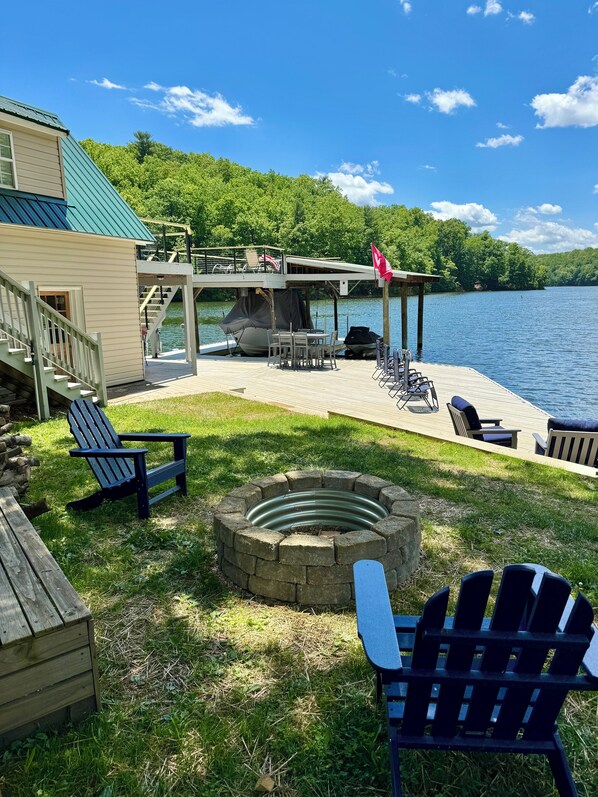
(105, 270)
(37, 161)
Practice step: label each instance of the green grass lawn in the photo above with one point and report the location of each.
(204, 688)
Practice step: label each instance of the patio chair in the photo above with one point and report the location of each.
(274, 349)
(570, 440)
(398, 375)
(123, 471)
(414, 387)
(474, 684)
(252, 261)
(328, 350)
(467, 423)
(301, 350)
(379, 360)
(287, 349)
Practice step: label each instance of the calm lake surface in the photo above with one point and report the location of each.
(542, 345)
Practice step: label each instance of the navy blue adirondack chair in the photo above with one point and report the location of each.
(122, 471)
(480, 684)
(467, 423)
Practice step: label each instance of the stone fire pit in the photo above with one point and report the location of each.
(295, 536)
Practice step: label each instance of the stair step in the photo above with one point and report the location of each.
(61, 377)
(87, 393)
(17, 351)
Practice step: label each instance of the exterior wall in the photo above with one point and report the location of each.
(37, 161)
(105, 270)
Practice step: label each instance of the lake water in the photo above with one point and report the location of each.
(542, 345)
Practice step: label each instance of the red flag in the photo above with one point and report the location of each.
(381, 264)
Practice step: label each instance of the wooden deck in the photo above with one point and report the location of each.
(349, 391)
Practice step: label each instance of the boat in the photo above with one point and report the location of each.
(360, 342)
(250, 319)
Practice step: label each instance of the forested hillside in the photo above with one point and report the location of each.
(227, 204)
(579, 267)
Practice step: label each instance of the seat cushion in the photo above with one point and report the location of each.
(499, 439)
(470, 411)
(571, 425)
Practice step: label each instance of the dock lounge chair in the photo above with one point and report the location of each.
(467, 423)
(570, 440)
(472, 683)
(413, 385)
(122, 471)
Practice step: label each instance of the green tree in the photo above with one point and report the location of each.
(143, 145)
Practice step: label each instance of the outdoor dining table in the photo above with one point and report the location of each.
(315, 337)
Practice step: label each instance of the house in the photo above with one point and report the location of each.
(66, 229)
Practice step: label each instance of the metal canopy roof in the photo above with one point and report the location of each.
(313, 265)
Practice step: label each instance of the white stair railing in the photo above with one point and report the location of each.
(50, 340)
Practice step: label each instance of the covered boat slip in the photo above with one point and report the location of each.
(350, 391)
(265, 270)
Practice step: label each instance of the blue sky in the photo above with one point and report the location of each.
(478, 109)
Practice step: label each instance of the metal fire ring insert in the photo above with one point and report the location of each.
(344, 509)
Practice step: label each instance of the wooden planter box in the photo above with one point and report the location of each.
(48, 672)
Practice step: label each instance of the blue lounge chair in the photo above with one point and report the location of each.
(122, 471)
(570, 440)
(467, 423)
(480, 684)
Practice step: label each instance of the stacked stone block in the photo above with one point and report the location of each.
(308, 569)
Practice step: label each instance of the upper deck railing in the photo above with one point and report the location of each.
(173, 245)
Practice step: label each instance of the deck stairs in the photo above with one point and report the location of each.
(154, 301)
(44, 354)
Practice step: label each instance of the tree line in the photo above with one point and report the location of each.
(579, 267)
(228, 204)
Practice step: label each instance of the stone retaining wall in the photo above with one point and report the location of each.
(307, 569)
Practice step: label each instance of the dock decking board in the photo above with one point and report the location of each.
(350, 391)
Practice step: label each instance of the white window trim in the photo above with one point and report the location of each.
(12, 160)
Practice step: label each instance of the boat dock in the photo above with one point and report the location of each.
(349, 391)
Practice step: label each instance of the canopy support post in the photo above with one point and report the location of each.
(189, 310)
(420, 317)
(404, 332)
(196, 292)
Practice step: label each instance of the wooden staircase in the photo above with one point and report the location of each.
(153, 304)
(44, 354)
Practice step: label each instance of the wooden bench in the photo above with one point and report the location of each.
(48, 673)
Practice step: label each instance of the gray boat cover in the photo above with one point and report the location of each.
(254, 311)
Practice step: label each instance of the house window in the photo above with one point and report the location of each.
(8, 177)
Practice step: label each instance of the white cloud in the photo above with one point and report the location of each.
(472, 213)
(104, 83)
(526, 17)
(550, 236)
(492, 7)
(428, 168)
(196, 107)
(596, 188)
(501, 141)
(357, 182)
(501, 126)
(413, 98)
(578, 107)
(449, 101)
(406, 6)
(593, 9)
(549, 210)
(474, 10)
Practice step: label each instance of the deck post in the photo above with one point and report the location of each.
(420, 316)
(196, 292)
(386, 313)
(308, 308)
(272, 310)
(188, 311)
(404, 331)
(335, 305)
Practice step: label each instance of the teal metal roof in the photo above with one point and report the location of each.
(31, 113)
(92, 203)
